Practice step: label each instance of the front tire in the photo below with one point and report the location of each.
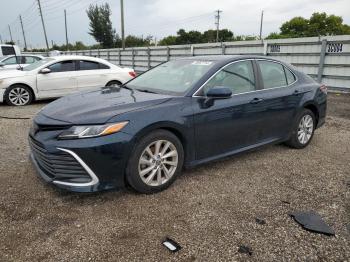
(18, 95)
(303, 130)
(155, 162)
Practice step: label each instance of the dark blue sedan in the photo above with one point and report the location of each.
(179, 114)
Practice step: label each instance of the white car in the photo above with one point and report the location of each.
(18, 62)
(58, 76)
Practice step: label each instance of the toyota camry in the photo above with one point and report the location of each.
(179, 114)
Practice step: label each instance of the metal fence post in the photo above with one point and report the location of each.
(98, 53)
(133, 58)
(265, 47)
(223, 49)
(322, 58)
(167, 53)
(149, 58)
(192, 50)
(119, 57)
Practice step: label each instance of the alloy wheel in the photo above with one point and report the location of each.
(158, 163)
(305, 129)
(19, 96)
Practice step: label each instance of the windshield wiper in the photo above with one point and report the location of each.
(146, 91)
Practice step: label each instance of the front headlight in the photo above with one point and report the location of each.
(92, 131)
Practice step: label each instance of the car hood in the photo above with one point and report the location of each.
(97, 107)
(8, 73)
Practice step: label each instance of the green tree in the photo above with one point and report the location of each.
(101, 26)
(323, 24)
(296, 27)
(134, 41)
(169, 40)
(318, 24)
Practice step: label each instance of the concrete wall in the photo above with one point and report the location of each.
(327, 59)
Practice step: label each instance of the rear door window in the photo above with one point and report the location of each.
(103, 66)
(290, 76)
(88, 65)
(272, 74)
(30, 60)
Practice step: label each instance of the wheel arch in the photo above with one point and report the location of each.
(314, 109)
(113, 80)
(175, 128)
(172, 127)
(23, 84)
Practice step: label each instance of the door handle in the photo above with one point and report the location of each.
(256, 100)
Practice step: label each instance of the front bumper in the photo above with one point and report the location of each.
(99, 162)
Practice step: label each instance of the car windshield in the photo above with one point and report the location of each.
(174, 77)
(37, 64)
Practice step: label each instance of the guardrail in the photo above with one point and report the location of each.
(327, 59)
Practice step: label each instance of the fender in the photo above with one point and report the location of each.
(184, 134)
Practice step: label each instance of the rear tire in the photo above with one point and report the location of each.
(155, 162)
(18, 95)
(303, 130)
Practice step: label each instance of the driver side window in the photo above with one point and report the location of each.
(64, 66)
(239, 77)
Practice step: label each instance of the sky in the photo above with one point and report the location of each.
(157, 18)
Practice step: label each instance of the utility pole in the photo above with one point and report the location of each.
(24, 36)
(42, 21)
(1, 39)
(217, 23)
(65, 24)
(122, 22)
(261, 23)
(10, 33)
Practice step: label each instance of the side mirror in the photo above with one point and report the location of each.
(219, 92)
(45, 71)
(2, 64)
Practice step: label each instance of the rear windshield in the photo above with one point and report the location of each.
(7, 50)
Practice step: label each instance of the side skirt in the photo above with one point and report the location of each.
(234, 152)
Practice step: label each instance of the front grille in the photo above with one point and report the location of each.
(58, 166)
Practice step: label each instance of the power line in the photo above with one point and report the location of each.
(261, 23)
(217, 23)
(65, 25)
(122, 22)
(42, 21)
(24, 36)
(10, 33)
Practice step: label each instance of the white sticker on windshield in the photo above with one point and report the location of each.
(204, 63)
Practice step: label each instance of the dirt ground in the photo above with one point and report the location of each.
(210, 210)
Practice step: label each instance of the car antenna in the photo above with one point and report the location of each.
(19, 65)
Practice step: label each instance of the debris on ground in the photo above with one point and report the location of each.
(172, 245)
(15, 118)
(312, 221)
(260, 221)
(245, 250)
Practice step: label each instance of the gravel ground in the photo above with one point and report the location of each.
(210, 210)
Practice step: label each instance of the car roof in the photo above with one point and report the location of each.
(223, 58)
(80, 57)
(77, 57)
